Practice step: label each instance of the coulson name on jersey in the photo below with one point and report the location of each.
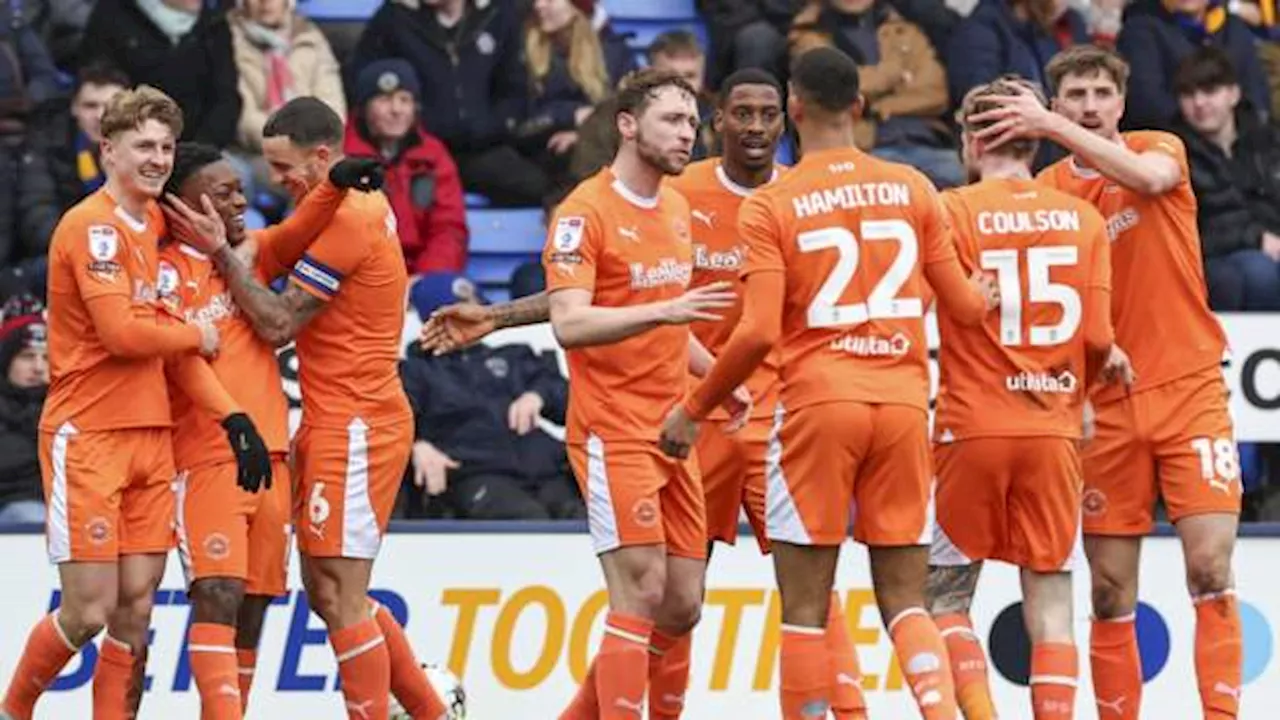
(668, 271)
(706, 259)
(852, 196)
(1002, 222)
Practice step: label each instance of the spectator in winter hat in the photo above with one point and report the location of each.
(24, 360)
(422, 181)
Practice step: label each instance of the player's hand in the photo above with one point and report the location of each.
(1118, 368)
(202, 230)
(362, 174)
(1019, 115)
(253, 462)
(431, 467)
(738, 405)
(698, 303)
(209, 339)
(523, 414)
(987, 286)
(454, 327)
(678, 433)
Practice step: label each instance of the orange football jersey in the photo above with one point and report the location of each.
(245, 365)
(348, 354)
(98, 249)
(852, 234)
(625, 250)
(1157, 281)
(1022, 371)
(718, 255)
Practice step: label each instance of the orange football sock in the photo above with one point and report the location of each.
(923, 658)
(805, 669)
(47, 651)
(1116, 668)
(622, 666)
(408, 682)
(847, 702)
(668, 674)
(1219, 654)
(1055, 668)
(365, 669)
(585, 705)
(213, 663)
(112, 679)
(968, 666)
(247, 663)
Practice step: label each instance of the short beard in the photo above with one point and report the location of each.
(655, 159)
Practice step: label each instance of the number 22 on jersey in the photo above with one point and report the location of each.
(882, 302)
(1040, 289)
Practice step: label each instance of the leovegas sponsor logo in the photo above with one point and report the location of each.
(704, 258)
(668, 271)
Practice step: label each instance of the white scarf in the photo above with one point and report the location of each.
(175, 24)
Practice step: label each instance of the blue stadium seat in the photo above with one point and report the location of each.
(786, 154)
(475, 200)
(253, 220)
(640, 33)
(665, 10)
(490, 270)
(339, 9)
(505, 231)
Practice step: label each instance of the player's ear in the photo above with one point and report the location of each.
(858, 106)
(627, 125)
(717, 121)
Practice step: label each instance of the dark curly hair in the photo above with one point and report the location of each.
(188, 159)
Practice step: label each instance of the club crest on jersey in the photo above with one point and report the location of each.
(568, 234)
(167, 281)
(104, 243)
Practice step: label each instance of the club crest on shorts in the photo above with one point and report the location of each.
(98, 530)
(645, 513)
(217, 546)
(1094, 502)
(104, 242)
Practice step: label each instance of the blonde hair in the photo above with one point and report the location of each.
(586, 57)
(129, 109)
(978, 101)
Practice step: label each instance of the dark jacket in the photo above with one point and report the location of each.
(28, 76)
(425, 191)
(52, 178)
(19, 459)
(1153, 43)
(1238, 197)
(461, 400)
(559, 96)
(474, 82)
(992, 42)
(199, 72)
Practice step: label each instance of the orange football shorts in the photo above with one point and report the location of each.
(224, 531)
(636, 495)
(733, 478)
(830, 462)
(1174, 441)
(109, 493)
(346, 482)
(1010, 499)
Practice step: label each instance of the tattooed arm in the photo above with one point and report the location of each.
(454, 327)
(275, 318)
(951, 588)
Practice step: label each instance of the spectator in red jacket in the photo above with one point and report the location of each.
(422, 179)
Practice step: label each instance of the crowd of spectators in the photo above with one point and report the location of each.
(507, 103)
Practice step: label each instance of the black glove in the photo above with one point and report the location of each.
(363, 174)
(253, 462)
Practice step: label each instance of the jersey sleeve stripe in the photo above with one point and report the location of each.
(309, 260)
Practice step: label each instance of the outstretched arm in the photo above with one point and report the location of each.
(456, 326)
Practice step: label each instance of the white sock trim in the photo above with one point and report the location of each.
(1052, 680)
(959, 631)
(224, 649)
(62, 634)
(1210, 597)
(803, 630)
(904, 615)
(626, 635)
(358, 651)
(1131, 617)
